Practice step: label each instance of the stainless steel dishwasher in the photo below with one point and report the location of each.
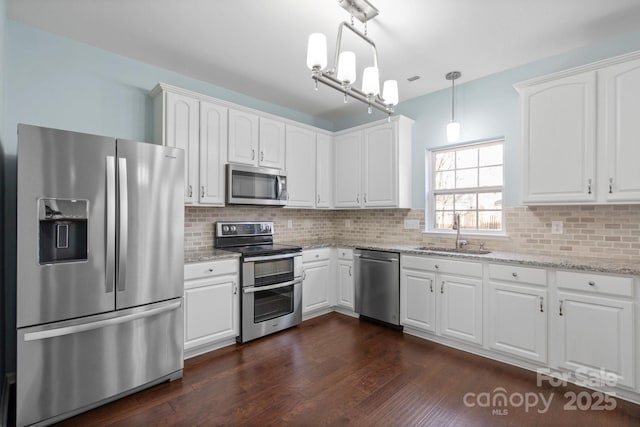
(377, 280)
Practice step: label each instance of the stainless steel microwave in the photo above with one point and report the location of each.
(250, 185)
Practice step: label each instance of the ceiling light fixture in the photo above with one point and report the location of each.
(342, 75)
(453, 128)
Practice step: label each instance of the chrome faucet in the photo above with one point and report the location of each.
(456, 226)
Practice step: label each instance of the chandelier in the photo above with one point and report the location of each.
(342, 75)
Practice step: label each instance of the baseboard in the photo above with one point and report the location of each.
(8, 381)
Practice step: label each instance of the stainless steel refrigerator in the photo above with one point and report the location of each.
(99, 270)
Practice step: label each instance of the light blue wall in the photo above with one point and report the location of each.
(488, 108)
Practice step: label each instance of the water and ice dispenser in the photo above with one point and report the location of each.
(63, 235)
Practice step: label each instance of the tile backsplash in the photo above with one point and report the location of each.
(588, 231)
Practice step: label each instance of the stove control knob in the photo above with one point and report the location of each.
(233, 228)
(265, 228)
(225, 229)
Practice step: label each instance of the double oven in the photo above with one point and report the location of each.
(271, 278)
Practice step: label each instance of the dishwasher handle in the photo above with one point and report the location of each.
(372, 255)
(366, 258)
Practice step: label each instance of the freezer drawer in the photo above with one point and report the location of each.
(68, 366)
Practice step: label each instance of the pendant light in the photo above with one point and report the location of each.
(453, 128)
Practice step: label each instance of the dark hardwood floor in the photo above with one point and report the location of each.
(336, 370)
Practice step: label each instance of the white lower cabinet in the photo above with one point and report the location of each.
(346, 289)
(317, 280)
(595, 330)
(517, 306)
(211, 305)
(442, 296)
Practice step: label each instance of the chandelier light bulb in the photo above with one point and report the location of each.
(371, 81)
(390, 92)
(347, 68)
(317, 51)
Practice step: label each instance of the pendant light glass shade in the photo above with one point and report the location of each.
(371, 81)
(390, 92)
(317, 51)
(347, 67)
(453, 132)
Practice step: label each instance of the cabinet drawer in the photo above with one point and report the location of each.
(210, 268)
(441, 265)
(518, 274)
(316, 254)
(345, 253)
(612, 285)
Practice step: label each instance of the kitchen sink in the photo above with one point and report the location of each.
(453, 250)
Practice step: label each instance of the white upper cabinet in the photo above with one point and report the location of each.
(559, 137)
(213, 153)
(580, 135)
(373, 166)
(301, 167)
(619, 129)
(271, 144)
(243, 137)
(324, 170)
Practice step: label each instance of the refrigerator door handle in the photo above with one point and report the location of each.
(111, 225)
(123, 223)
(68, 330)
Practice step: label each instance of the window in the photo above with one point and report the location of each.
(467, 180)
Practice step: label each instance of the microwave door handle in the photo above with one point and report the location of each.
(111, 226)
(123, 222)
(278, 187)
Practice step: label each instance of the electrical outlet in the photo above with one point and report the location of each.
(411, 224)
(347, 223)
(556, 227)
(290, 223)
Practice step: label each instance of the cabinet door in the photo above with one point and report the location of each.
(418, 299)
(315, 286)
(595, 334)
(380, 166)
(211, 310)
(347, 162)
(619, 130)
(559, 137)
(346, 290)
(301, 167)
(324, 170)
(243, 138)
(518, 320)
(272, 137)
(460, 304)
(213, 153)
(182, 132)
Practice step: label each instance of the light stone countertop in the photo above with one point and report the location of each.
(211, 254)
(602, 265)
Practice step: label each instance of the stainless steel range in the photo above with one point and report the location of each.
(271, 277)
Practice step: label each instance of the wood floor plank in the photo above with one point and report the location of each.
(335, 370)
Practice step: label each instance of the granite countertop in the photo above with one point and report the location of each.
(210, 254)
(602, 265)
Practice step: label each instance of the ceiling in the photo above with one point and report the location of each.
(258, 47)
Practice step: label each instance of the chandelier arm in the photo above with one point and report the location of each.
(329, 80)
(339, 43)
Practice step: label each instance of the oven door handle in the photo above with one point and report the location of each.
(272, 257)
(253, 289)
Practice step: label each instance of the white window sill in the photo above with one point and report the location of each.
(470, 234)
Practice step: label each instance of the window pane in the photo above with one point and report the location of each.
(490, 200)
(490, 176)
(445, 180)
(444, 202)
(467, 178)
(490, 220)
(465, 201)
(491, 155)
(467, 220)
(445, 161)
(467, 158)
(444, 220)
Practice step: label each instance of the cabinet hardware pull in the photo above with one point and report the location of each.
(211, 270)
(541, 302)
(304, 275)
(431, 286)
(261, 156)
(589, 187)
(349, 271)
(235, 288)
(190, 190)
(202, 191)
(365, 197)
(561, 307)
(357, 198)
(592, 283)
(610, 185)
(318, 199)
(437, 266)
(442, 288)
(253, 154)
(514, 274)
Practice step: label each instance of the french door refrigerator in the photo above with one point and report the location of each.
(99, 270)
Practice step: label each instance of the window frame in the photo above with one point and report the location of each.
(431, 193)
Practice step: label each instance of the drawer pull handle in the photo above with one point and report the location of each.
(211, 270)
(514, 274)
(592, 283)
(437, 266)
(561, 307)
